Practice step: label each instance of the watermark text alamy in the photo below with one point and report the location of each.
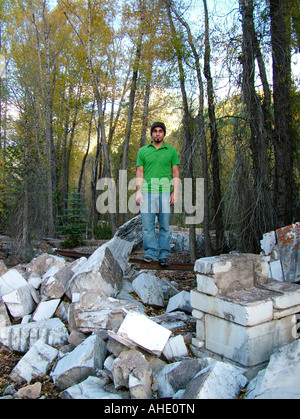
(193, 207)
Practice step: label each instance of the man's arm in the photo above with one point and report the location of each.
(139, 184)
(176, 182)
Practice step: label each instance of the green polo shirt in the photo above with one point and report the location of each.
(157, 165)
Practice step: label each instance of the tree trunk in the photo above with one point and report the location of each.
(217, 195)
(49, 129)
(146, 111)
(87, 150)
(114, 119)
(188, 143)
(25, 241)
(132, 101)
(284, 161)
(262, 219)
(136, 65)
(201, 126)
(99, 100)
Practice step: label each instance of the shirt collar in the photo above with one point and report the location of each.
(165, 145)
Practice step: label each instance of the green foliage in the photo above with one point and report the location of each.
(74, 224)
(103, 232)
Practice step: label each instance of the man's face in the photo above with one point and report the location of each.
(158, 135)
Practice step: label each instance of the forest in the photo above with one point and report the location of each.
(83, 80)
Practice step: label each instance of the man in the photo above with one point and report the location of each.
(157, 165)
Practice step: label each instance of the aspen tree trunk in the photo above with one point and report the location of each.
(69, 133)
(217, 195)
(48, 99)
(87, 150)
(132, 101)
(123, 217)
(188, 146)
(201, 125)
(114, 119)
(99, 100)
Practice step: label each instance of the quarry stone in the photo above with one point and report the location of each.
(90, 389)
(149, 289)
(248, 346)
(175, 349)
(45, 310)
(240, 312)
(180, 302)
(103, 272)
(19, 302)
(82, 362)
(4, 317)
(281, 379)
(131, 370)
(139, 330)
(11, 281)
(36, 362)
(22, 337)
(219, 381)
(42, 263)
(94, 313)
(53, 287)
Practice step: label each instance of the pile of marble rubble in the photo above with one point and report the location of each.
(80, 323)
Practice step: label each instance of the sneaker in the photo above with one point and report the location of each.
(147, 259)
(164, 262)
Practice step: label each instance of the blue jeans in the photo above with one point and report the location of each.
(156, 205)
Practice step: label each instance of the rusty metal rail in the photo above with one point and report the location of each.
(72, 255)
(174, 266)
(139, 263)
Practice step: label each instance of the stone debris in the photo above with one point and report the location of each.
(19, 302)
(103, 271)
(53, 287)
(4, 318)
(22, 337)
(172, 378)
(131, 370)
(282, 251)
(219, 381)
(92, 388)
(82, 362)
(138, 330)
(31, 392)
(11, 281)
(180, 302)
(41, 264)
(95, 314)
(175, 349)
(36, 362)
(281, 378)
(45, 310)
(149, 289)
(84, 324)
(132, 232)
